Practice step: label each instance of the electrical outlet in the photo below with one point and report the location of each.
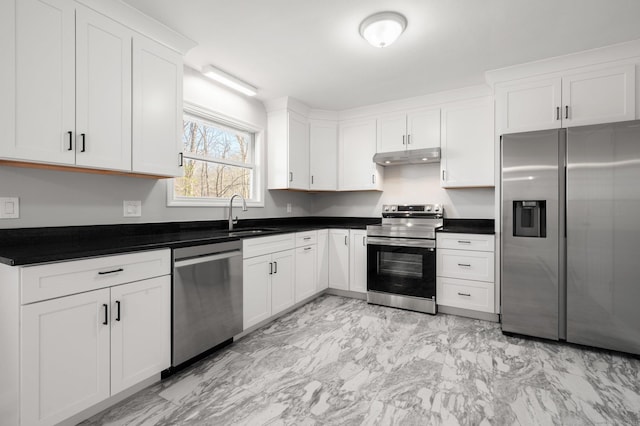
(288, 207)
(9, 208)
(132, 208)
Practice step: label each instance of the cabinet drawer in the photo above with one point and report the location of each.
(252, 247)
(470, 265)
(465, 294)
(51, 280)
(306, 238)
(478, 242)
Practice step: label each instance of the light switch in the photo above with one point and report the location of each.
(132, 208)
(9, 208)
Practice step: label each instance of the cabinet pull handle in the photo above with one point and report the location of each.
(373, 179)
(464, 242)
(306, 238)
(290, 176)
(566, 111)
(402, 139)
(443, 175)
(307, 248)
(464, 294)
(408, 139)
(275, 267)
(270, 268)
(364, 240)
(111, 272)
(345, 240)
(117, 310)
(557, 113)
(70, 141)
(181, 155)
(106, 314)
(311, 179)
(83, 136)
(465, 264)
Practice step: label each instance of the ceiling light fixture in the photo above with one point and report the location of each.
(229, 80)
(382, 29)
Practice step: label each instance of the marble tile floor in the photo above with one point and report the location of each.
(340, 361)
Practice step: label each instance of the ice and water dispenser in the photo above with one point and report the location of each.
(530, 219)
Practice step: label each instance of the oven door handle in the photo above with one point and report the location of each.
(402, 242)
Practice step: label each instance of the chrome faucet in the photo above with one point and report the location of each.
(244, 209)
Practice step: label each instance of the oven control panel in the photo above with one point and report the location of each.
(412, 209)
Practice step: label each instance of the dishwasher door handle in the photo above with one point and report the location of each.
(203, 259)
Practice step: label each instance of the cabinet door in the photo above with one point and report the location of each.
(423, 129)
(64, 356)
(298, 152)
(323, 260)
(7, 77)
(140, 331)
(45, 82)
(601, 96)
(306, 274)
(282, 281)
(358, 261)
(103, 92)
(323, 155)
(357, 146)
(392, 133)
(468, 145)
(532, 105)
(256, 290)
(339, 259)
(157, 108)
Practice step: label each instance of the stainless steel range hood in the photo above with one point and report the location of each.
(414, 156)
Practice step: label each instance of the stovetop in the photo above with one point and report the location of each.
(408, 221)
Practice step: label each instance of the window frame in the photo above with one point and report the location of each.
(224, 121)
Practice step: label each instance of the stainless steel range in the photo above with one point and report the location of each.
(401, 257)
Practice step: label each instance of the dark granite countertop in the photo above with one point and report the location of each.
(25, 246)
(468, 226)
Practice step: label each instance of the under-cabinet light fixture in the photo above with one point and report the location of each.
(229, 80)
(382, 29)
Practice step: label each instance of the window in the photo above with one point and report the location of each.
(219, 160)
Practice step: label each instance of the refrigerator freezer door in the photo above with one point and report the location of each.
(532, 169)
(603, 236)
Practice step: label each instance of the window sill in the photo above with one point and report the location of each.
(213, 203)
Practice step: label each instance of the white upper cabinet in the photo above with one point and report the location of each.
(44, 83)
(529, 106)
(323, 155)
(415, 130)
(593, 96)
(157, 108)
(599, 96)
(103, 92)
(468, 144)
(288, 150)
(80, 94)
(356, 148)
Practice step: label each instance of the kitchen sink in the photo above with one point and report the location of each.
(248, 232)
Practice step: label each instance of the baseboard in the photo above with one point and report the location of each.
(485, 316)
(112, 400)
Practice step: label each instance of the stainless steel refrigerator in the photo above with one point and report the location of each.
(571, 235)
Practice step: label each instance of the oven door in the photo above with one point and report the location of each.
(401, 266)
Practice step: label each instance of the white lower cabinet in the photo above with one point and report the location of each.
(323, 260)
(306, 270)
(358, 261)
(339, 259)
(348, 259)
(268, 277)
(465, 271)
(79, 349)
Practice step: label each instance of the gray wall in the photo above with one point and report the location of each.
(409, 184)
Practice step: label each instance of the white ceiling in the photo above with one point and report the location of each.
(311, 49)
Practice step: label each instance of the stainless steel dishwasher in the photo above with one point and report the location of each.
(207, 298)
